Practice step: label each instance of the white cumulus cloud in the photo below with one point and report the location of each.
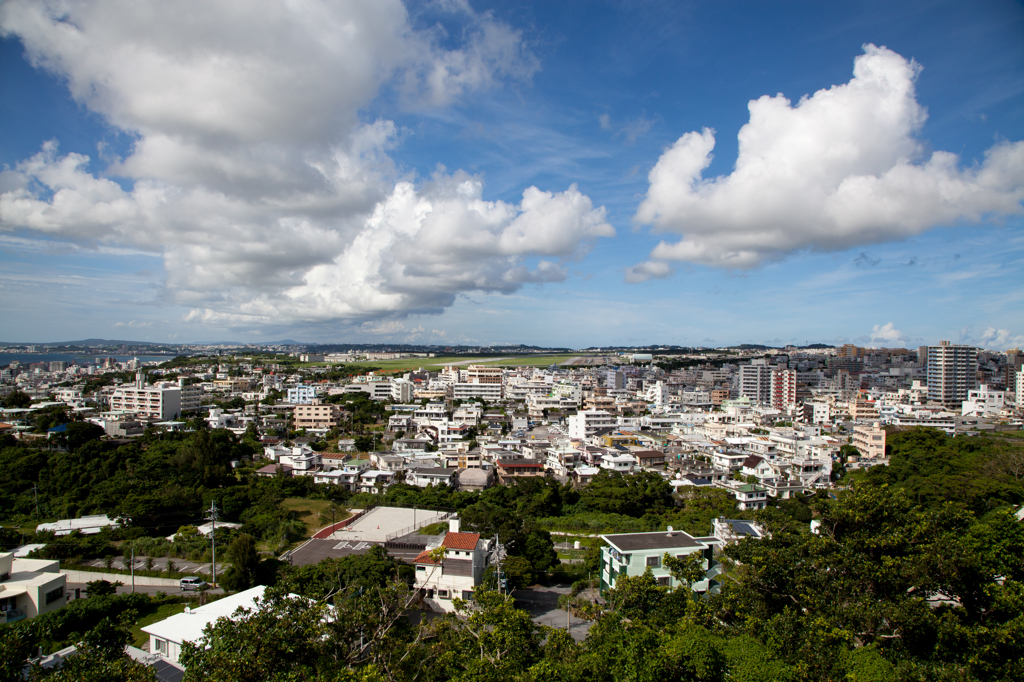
(253, 173)
(650, 269)
(1000, 339)
(886, 335)
(839, 168)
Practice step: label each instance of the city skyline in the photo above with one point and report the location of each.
(483, 173)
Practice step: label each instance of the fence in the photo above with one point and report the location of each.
(416, 526)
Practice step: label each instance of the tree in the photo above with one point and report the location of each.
(98, 588)
(244, 560)
(633, 495)
(16, 398)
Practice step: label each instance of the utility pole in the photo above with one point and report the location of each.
(36, 491)
(213, 540)
(133, 568)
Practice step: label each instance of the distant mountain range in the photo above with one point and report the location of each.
(398, 347)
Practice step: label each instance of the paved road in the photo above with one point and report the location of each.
(127, 589)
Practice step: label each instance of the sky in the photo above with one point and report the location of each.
(572, 173)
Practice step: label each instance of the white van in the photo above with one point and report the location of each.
(188, 584)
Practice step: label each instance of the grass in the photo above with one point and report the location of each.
(311, 512)
(150, 616)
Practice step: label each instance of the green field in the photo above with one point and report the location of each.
(313, 512)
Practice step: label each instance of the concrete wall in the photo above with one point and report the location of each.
(89, 576)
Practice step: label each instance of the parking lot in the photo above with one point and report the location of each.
(159, 564)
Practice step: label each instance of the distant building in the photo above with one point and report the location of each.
(783, 389)
(163, 401)
(755, 382)
(869, 440)
(302, 394)
(952, 372)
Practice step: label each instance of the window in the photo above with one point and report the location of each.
(421, 568)
(54, 595)
(160, 645)
(443, 594)
(654, 561)
(664, 582)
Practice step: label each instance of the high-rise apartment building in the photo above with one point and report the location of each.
(783, 389)
(755, 381)
(952, 372)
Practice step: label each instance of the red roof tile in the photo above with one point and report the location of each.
(461, 540)
(423, 558)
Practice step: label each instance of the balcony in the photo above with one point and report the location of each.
(13, 615)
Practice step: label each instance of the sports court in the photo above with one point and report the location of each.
(384, 523)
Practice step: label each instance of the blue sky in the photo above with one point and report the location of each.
(444, 172)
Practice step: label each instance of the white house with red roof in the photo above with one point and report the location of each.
(458, 573)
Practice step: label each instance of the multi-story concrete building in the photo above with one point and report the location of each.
(402, 390)
(783, 389)
(585, 423)
(480, 382)
(302, 394)
(317, 416)
(983, 402)
(633, 554)
(455, 572)
(952, 372)
(869, 440)
(755, 382)
(162, 401)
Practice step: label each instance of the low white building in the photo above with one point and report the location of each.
(167, 636)
(86, 525)
(29, 587)
(983, 402)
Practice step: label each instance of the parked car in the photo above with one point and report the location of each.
(188, 584)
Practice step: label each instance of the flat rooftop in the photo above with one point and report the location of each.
(638, 542)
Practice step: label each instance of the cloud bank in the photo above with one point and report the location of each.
(252, 172)
(842, 167)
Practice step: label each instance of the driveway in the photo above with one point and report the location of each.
(542, 605)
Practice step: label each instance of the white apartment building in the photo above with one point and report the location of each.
(162, 401)
(583, 424)
(480, 382)
(567, 391)
(402, 390)
(1020, 389)
(657, 394)
(302, 394)
(755, 382)
(983, 402)
(952, 372)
